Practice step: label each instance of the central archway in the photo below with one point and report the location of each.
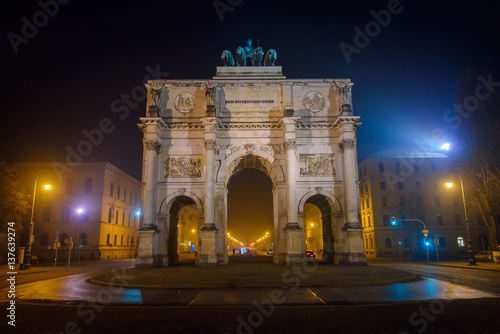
(250, 215)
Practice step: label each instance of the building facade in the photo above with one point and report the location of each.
(300, 132)
(93, 204)
(412, 186)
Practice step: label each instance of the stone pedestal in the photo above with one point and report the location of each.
(355, 255)
(208, 254)
(295, 253)
(145, 258)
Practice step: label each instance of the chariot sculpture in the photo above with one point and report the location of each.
(249, 54)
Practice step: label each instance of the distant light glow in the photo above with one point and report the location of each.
(427, 243)
(80, 211)
(449, 184)
(47, 186)
(138, 212)
(445, 147)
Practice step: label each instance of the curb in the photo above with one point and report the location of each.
(452, 266)
(408, 279)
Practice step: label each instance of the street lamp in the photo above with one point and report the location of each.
(470, 249)
(27, 256)
(80, 212)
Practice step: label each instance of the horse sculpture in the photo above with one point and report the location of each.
(257, 56)
(227, 58)
(241, 57)
(270, 57)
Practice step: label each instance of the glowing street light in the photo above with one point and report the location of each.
(446, 146)
(27, 256)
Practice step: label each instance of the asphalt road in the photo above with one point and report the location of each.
(484, 280)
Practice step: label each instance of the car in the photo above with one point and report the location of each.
(270, 252)
(484, 256)
(310, 254)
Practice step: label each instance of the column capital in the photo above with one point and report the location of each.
(211, 144)
(152, 145)
(290, 144)
(347, 144)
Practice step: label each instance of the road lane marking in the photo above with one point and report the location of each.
(315, 295)
(199, 293)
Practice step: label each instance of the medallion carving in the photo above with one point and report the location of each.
(314, 101)
(184, 103)
(316, 165)
(183, 166)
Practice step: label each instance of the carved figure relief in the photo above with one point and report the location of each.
(182, 167)
(184, 103)
(317, 165)
(314, 101)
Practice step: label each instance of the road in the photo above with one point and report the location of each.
(484, 280)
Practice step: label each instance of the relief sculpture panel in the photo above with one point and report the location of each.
(316, 165)
(183, 166)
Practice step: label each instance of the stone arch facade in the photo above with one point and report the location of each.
(300, 132)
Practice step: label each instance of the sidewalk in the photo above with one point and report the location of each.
(256, 273)
(480, 265)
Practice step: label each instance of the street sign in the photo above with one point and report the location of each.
(425, 231)
(426, 235)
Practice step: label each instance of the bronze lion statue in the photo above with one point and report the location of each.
(270, 57)
(241, 57)
(257, 56)
(227, 58)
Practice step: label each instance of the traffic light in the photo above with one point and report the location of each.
(393, 221)
(427, 243)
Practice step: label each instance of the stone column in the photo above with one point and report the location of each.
(353, 253)
(147, 249)
(293, 232)
(208, 253)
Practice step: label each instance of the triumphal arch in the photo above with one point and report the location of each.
(299, 132)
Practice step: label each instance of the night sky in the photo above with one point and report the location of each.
(66, 76)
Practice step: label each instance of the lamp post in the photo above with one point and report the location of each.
(80, 212)
(470, 249)
(27, 256)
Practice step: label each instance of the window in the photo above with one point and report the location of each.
(46, 214)
(359, 172)
(128, 240)
(418, 186)
(135, 203)
(366, 188)
(416, 168)
(87, 189)
(361, 191)
(402, 202)
(123, 218)
(384, 202)
(439, 220)
(442, 242)
(362, 204)
(116, 237)
(111, 188)
(420, 201)
(398, 166)
(437, 201)
(385, 219)
(388, 243)
(116, 221)
(110, 215)
(66, 214)
(406, 243)
(121, 241)
(433, 167)
(367, 203)
(83, 238)
(130, 198)
(371, 242)
(381, 167)
(108, 240)
(69, 186)
(369, 221)
(124, 194)
(400, 186)
(382, 186)
(460, 242)
(118, 192)
(129, 219)
(458, 221)
(366, 242)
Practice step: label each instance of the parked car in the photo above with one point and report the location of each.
(270, 252)
(310, 254)
(484, 256)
